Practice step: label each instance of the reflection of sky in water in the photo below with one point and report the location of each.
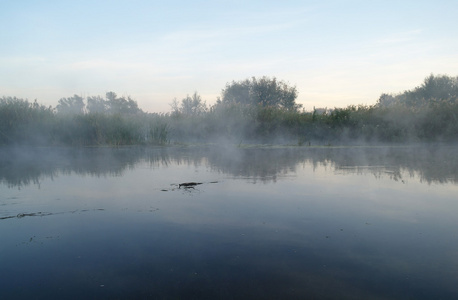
(314, 231)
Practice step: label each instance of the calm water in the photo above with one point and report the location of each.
(266, 223)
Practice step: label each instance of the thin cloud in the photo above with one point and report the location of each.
(22, 60)
(223, 33)
(99, 64)
(399, 37)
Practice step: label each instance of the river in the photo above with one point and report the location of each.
(263, 222)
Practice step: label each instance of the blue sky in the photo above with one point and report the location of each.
(336, 53)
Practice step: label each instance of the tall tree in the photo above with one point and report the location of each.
(441, 87)
(112, 104)
(433, 88)
(74, 105)
(96, 104)
(121, 105)
(190, 105)
(264, 92)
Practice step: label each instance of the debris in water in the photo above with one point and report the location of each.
(188, 184)
(42, 214)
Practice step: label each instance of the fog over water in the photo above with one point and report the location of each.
(263, 222)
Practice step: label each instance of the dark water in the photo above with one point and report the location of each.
(266, 223)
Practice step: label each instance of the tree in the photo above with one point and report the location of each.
(238, 92)
(121, 105)
(265, 92)
(439, 87)
(112, 104)
(433, 88)
(73, 105)
(386, 100)
(190, 105)
(96, 104)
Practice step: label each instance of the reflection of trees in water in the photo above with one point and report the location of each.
(256, 164)
(428, 163)
(18, 169)
(24, 166)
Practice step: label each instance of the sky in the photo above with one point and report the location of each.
(336, 53)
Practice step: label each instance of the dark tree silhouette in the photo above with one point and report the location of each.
(266, 92)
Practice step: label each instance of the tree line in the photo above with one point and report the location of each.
(253, 110)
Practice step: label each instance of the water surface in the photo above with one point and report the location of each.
(277, 223)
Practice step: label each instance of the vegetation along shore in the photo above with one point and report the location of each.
(255, 110)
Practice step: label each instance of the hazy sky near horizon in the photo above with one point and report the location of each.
(336, 53)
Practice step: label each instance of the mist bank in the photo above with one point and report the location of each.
(248, 111)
